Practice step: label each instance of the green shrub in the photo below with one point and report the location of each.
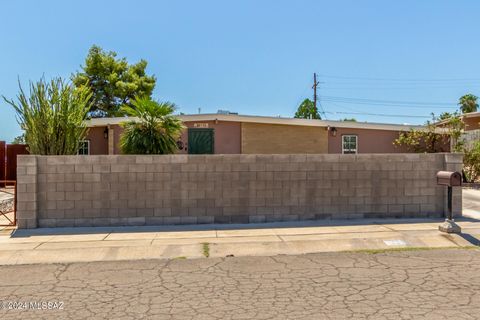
(471, 162)
(53, 116)
(156, 130)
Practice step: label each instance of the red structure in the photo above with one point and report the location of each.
(8, 181)
(3, 158)
(8, 160)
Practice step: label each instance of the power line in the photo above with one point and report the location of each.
(352, 111)
(355, 111)
(391, 105)
(344, 107)
(378, 114)
(314, 87)
(387, 101)
(302, 96)
(362, 86)
(400, 79)
(365, 83)
(322, 110)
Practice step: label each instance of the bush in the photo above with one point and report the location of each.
(433, 139)
(53, 116)
(471, 162)
(155, 132)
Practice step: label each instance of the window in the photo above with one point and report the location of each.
(349, 144)
(84, 147)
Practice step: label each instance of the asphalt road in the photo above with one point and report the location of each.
(431, 284)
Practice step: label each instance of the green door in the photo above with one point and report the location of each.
(200, 141)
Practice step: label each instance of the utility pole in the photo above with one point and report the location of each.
(315, 84)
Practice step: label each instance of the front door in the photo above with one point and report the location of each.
(200, 141)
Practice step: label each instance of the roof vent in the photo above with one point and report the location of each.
(225, 112)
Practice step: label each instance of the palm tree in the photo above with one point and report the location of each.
(53, 116)
(156, 130)
(468, 103)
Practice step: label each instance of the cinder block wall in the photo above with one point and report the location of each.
(188, 189)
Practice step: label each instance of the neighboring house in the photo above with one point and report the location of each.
(472, 127)
(472, 121)
(235, 134)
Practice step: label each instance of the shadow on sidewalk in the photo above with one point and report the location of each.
(24, 233)
(468, 237)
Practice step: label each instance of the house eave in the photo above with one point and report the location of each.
(102, 122)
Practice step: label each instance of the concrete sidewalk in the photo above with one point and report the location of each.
(471, 203)
(62, 245)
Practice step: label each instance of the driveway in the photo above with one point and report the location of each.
(471, 203)
(428, 284)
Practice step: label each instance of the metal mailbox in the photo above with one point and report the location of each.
(449, 178)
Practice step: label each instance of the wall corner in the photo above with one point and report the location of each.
(26, 192)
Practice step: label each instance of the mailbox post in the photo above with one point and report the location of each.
(450, 180)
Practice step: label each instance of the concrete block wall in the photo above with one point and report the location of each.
(27, 192)
(56, 191)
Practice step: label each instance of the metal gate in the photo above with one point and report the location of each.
(8, 182)
(12, 150)
(200, 141)
(8, 203)
(3, 158)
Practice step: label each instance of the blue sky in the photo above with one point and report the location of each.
(258, 57)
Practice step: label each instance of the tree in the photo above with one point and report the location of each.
(155, 132)
(420, 140)
(350, 119)
(468, 103)
(19, 139)
(430, 139)
(113, 81)
(307, 110)
(455, 128)
(53, 116)
(445, 116)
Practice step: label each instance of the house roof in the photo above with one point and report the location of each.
(101, 122)
(472, 114)
(465, 115)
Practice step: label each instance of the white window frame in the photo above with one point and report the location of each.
(88, 147)
(343, 143)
